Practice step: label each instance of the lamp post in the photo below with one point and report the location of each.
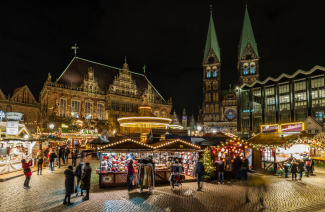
(51, 127)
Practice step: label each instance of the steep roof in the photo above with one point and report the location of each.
(2, 96)
(105, 75)
(18, 90)
(247, 36)
(212, 41)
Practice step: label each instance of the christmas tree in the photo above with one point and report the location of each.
(208, 165)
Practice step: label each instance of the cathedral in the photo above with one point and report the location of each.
(219, 112)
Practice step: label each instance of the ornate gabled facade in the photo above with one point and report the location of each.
(248, 58)
(98, 94)
(22, 101)
(211, 76)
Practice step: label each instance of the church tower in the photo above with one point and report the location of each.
(211, 76)
(184, 119)
(248, 58)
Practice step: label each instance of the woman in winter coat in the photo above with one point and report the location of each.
(85, 180)
(27, 172)
(69, 185)
(228, 168)
(294, 169)
(301, 167)
(40, 157)
(129, 174)
(312, 164)
(52, 157)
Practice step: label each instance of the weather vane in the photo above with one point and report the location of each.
(75, 49)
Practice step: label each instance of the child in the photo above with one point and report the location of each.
(286, 169)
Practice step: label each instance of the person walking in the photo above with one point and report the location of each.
(79, 173)
(40, 157)
(69, 185)
(85, 180)
(74, 156)
(221, 171)
(294, 170)
(307, 164)
(27, 172)
(245, 168)
(256, 182)
(130, 174)
(66, 155)
(312, 165)
(200, 173)
(238, 165)
(60, 155)
(286, 169)
(52, 157)
(300, 168)
(228, 167)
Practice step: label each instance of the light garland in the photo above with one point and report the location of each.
(125, 140)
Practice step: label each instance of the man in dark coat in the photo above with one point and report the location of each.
(66, 154)
(69, 185)
(74, 156)
(238, 165)
(79, 172)
(85, 180)
(60, 155)
(200, 173)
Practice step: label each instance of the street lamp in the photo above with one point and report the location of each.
(51, 127)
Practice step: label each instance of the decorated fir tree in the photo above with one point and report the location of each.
(208, 165)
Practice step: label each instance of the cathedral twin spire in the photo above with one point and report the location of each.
(247, 37)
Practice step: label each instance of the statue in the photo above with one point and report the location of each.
(49, 77)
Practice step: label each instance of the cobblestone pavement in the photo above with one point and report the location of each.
(48, 191)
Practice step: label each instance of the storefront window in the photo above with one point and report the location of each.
(267, 155)
(270, 99)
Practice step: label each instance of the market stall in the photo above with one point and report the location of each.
(162, 156)
(273, 149)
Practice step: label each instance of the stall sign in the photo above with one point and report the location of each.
(292, 127)
(12, 128)
(270, 128)
(2, 115)
(14, 116)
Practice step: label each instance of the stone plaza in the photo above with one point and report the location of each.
(47, 192)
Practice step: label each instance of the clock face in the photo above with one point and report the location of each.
(230, 114)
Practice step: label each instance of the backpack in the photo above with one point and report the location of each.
(307, 163)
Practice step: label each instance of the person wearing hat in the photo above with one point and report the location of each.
(69, 185)
(85, 180)
(79, 172)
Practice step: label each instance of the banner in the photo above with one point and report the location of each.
(12, 127)
(291, 127)
(14, 116)
(270, 128)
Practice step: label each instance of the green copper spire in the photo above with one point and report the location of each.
(247, 36)
(212, 40)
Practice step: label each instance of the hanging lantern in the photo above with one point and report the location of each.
(227, 142)
(254, 147)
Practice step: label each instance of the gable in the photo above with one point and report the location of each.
(2, 96)
(23, 95)
(312, 124)
(76, 71)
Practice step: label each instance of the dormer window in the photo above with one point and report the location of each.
(252, 68)
(208, 74)
(245, 68)
(215, 73)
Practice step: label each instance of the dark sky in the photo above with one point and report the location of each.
(168, 37)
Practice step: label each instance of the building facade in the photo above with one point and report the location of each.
(23, 101)
(220, 106)
(98, 94)
(288, 98)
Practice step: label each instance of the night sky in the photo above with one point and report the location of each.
(168, 37)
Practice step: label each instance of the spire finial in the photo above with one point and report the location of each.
(125, 59)
(144, 69)
(75, 49)
(211, 8)
(229, 86)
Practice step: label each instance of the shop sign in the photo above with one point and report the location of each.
(270, 128)
(2, 115)
(291, 127)
(12, 128)
(14, 116)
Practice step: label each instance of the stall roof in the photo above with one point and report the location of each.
(215, 140)
(277, 138)
(111, 140)
(125, 144)
(175, 144)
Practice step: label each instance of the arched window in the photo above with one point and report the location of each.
(208, 74)
(211, 109)
(215, 73)
(217, 108)
(252, 70)
(207, 109)
(245, 70)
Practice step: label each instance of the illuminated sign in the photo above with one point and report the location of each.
(14, 116)
(2, 115)
(12, 128)
(269, 128)
(294, 127)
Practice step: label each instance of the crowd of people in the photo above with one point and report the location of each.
(298, 166)
(55, 155)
